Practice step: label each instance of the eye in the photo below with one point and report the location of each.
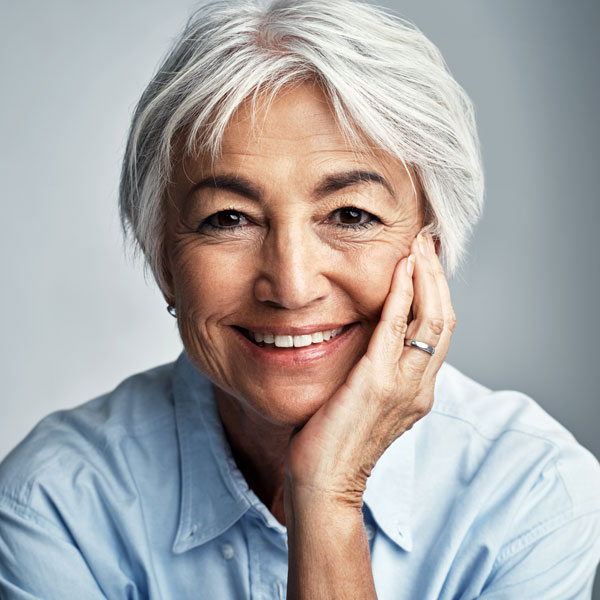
(225, 219)
(350, 217)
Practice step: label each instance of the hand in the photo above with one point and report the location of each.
(387, 391)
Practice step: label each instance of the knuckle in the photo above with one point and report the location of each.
(434, 325)
(450, 323)
(420, 412)
(399, 325)
(423, 405)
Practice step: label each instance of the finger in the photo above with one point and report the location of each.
(428, 322)
(441, 350)
(387, 342)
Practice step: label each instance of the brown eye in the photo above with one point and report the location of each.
(228, 218)
(225, 219)
(350, 217)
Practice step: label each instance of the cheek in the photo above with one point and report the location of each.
(368, 282)
(209, 281)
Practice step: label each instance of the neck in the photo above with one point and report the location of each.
(258, 448)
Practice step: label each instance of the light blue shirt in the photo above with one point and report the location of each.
(136, 495)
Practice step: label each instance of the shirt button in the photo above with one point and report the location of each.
(227, 551)
(370, 532)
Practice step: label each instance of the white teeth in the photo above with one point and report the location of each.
(302, 340)
(284, 341)
(296, 341)
(316, 337)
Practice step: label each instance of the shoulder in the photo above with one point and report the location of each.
(531, 471)
(89, 444)
(493, 413)
(503, 492)
(492, 418)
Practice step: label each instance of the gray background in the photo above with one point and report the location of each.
(77, 317)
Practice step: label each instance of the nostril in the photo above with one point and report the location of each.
(291, 294)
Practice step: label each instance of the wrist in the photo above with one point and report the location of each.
(327, 544)
(331, 494)
(306, 504)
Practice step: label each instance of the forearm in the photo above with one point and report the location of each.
(328, 550)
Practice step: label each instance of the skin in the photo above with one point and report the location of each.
(306, 438)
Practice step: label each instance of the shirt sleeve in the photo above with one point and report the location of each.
(559, 564)
(38, 560)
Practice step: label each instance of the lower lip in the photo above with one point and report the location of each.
(287, 357)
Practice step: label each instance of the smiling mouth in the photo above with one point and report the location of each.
(269, 340)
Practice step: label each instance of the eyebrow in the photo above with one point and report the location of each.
(328, 185)
(338, 181)
(233, 183)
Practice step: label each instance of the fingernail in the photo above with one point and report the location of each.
(422, 244)
(410, 265)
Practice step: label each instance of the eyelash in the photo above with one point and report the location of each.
(373, 219)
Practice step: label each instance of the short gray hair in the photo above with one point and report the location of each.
(385, 80)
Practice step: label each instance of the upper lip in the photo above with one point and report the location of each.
(285, 330)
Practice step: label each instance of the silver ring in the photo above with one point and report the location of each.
(421, 346)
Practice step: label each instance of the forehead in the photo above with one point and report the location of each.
(300, 115)
(294, 132)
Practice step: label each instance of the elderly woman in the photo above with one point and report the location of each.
(293, 174)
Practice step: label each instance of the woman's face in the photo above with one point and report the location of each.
(289, 232)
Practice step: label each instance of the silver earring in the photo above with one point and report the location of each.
(172, 310)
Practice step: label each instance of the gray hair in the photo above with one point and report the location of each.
(385, 80)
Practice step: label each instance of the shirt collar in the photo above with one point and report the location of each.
(215, 495)
(212, 499)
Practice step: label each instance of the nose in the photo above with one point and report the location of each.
(292, 270)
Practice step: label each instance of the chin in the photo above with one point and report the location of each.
(290, 407)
